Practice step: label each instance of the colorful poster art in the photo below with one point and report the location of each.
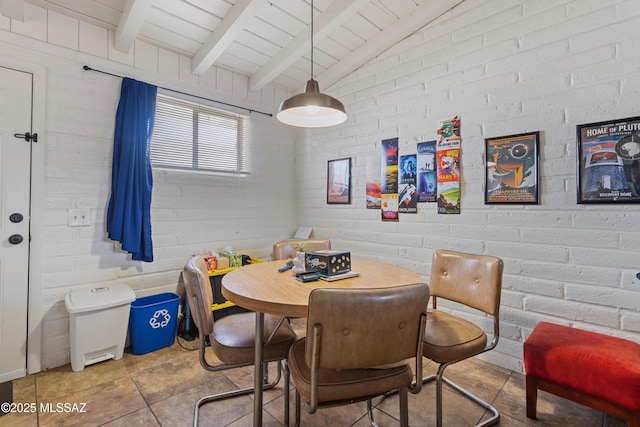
(511, 174)
(389, 186)
(339, 181)
(389, 207)
(448, 166)
(426, 161)
(407, 189)
(390, 165)
(609, 161)
(448, 197)
(373, 195)
(449, 133)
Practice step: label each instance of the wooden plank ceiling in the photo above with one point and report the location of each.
(267, 40)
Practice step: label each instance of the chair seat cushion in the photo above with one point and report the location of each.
(449, 338)
(233, 338)
(600, 365)
(336, 386)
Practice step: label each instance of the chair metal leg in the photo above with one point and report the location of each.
(370, 413)
(285, 368)
(297, 409)
(234, 393)
(440, 378)
(404, 408)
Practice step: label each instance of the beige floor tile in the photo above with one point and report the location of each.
(142, 417)
(171, 377)
(177, 410)
(92, 406)
(63, 380)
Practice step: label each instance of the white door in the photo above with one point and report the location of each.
(15, 184)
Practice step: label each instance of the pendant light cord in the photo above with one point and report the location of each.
(312, 39)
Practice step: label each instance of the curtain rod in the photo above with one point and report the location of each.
(87, 68)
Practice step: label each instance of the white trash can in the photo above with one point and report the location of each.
(98, 322)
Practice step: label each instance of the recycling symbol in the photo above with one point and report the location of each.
(160, 319)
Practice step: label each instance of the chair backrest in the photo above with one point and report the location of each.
(470, 279)
(286, 249)
(198, 290)
(360, 328)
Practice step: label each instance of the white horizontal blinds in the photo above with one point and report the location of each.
(189, 136)
(172, 137)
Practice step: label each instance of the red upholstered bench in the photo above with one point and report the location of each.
(596, 370)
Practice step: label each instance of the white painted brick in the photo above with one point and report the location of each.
(533, 252)
(528, 285)
(575, 311)
(631, 322)
(607, 297)
(571, 237)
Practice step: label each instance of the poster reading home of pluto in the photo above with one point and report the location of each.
(407, 189)
(609, 162)
(448, 166)
(389, 188)
(426, 161)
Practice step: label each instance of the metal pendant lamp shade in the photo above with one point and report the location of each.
(311, 109)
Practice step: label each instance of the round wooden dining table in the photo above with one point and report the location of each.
(262, 288)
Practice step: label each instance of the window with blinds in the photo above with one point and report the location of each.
(192, 137)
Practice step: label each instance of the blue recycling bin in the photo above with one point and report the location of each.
(153, 322)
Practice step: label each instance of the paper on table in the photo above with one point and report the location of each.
(303, 233)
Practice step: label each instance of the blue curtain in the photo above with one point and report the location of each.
(129, 212)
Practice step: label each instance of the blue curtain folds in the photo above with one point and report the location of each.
(129, 211)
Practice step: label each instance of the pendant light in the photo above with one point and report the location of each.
(311, 109)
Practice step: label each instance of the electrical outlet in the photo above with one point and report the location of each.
(79, 217)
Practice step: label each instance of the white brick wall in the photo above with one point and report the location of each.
(189, 213)
(505, 67)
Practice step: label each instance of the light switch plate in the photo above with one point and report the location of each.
(79, 217)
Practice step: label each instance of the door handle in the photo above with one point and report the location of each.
(27, 136)
(15, 239)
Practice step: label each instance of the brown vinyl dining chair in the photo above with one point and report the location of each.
(474, 281)
(232, 337)
(357, 345)
(286, 249)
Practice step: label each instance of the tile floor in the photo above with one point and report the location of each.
(161, 387)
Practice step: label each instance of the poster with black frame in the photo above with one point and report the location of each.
(608, 156)
(511, 169)
(339, 181)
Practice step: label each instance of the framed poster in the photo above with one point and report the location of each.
(608, 161)
(339, 181)
(512, 168)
